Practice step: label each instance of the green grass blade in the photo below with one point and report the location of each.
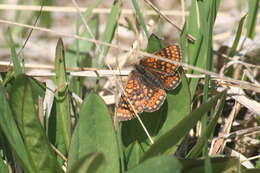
(77, 55)
(253, 6)
(196, 53)
(95, 133)
(90, 9)
(162, 164)
(18, 69)
(91, 163)
(34, 135)
(62, 101)
(140, 17)
(111, 26)
(233, 49)
(12, 134)
(197, 149)
(164, 145)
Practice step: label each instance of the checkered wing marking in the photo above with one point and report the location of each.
(154, 98)
(171, 82)
(133, 93)
(141, 95)
(171, 52)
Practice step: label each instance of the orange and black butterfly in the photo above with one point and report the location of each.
(146, 84)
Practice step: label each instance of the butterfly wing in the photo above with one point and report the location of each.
(142, 96)
(171, 52)
(133, 94)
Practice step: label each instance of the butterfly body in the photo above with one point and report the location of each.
(148, 76)
(147, 82)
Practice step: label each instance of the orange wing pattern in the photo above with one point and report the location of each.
(171, 52)
(141, 96)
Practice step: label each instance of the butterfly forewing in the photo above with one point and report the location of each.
(171, 52)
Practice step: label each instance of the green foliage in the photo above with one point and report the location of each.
(94, 133)
(162, 164)
(140, 17)
(16, 60)
(62, 101)
(253, 7)
(82, 138)
(111, 26)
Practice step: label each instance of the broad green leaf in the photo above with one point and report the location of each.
(164, 145)
(10, 130)
(33, 134)
(63, 133)
(162, 164)
(178, 104)
(91, 163)
(95, 133)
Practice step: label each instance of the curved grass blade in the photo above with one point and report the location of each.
(233, 49)
(95, 133)
(197, 149)
(18, 69)
(162, 164)
(140, 17)
(164, 145)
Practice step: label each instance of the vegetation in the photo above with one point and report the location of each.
(65, 124)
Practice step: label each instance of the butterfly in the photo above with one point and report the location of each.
(147, 82)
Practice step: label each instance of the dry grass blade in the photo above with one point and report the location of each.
(242, 84)
(218, 144)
